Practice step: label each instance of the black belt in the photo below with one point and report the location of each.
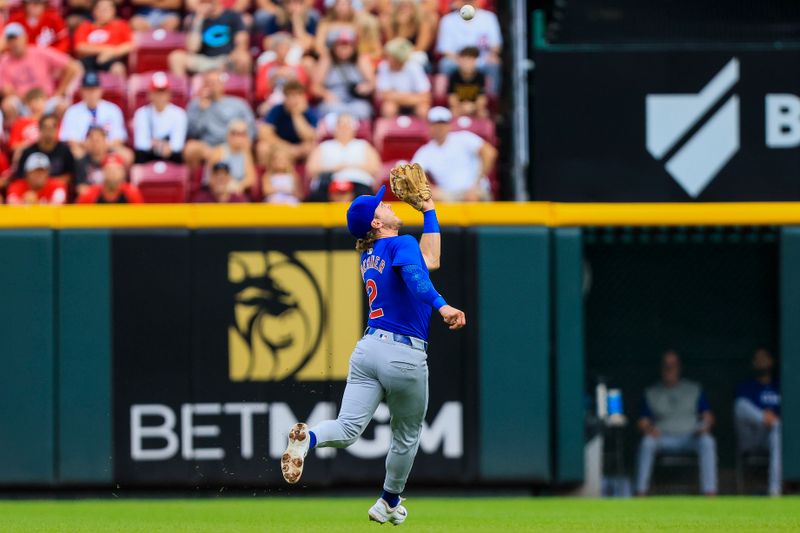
(397, 337)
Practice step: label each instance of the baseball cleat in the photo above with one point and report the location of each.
(294, 457)
(382, 513)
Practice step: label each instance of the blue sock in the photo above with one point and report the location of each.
(392, 499)
(313, 440)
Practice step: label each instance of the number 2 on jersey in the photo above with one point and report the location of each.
(372, 293)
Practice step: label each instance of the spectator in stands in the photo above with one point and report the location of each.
(406, 19)
(341, 192)
(757, 413)
(37, 187)
(294, 17)
(483, 32)
(60, 160)
(402, 85)
(280, 184)
(466, 87)
(24, 67)
(155, 14)
(273, 75)
(370, 44)
(113, 189)
(105, 42)
(676, 417)
(25, 130)
(237, 154)
(219, 189)
(344, 81)
(458, 161)
(344, 158)
(89, 168)
(290, 125)
(217, 40)
(159, 128)
(92, 110)
(339, 16)
(43, 25)
(209, 115)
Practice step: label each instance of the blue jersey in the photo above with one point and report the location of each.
(760, 395)
(392, 306)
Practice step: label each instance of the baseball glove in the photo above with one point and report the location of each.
(409, 184)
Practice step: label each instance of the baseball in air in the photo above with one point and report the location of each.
(467, 12)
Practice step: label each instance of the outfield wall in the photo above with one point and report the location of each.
(175, 351)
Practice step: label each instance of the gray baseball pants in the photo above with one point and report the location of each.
(382, 369)
(702, 444)
(754, 436)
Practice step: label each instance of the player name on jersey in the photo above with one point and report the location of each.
(372, 261)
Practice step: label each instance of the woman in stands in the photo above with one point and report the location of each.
(407, 19)
(237, 153)
(340, 16)
(344, 81)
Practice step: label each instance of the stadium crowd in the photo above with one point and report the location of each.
(282, 101)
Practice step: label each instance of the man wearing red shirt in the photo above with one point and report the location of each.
(37, 187)
(24, 67)
(25, 130)
(44, 25)
(105, 43)
(113, 190)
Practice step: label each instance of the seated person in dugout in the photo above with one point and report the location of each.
(757, 415)
(676, 418)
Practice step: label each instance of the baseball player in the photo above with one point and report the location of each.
(389, 362)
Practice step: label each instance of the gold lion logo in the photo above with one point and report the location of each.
(281, 327)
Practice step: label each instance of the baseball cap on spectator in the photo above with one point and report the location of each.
(399, 48)
(470, 51)
(221, 166)
(90, 80)
(340, 187)
(113, 159)
(361, 212)
(37, 161)
(439, 114)
(345, 35)
(293, 86)
(13, 30)
(159, 82)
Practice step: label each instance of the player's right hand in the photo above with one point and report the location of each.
(453, 317)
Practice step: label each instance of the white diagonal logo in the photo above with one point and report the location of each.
(671, 116)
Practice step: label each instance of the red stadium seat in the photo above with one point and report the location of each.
(161, 182)
(114, 91)
(235, 85)
(139, 85)
(399, 138)
(324, 132)
(483, 127)
(151, 49)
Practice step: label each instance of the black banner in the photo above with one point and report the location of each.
(224, 338)
(666, 125)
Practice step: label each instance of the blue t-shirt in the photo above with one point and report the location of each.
(760, 395)
(392, 306)
(281, 120)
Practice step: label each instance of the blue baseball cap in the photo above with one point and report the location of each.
(362, 211)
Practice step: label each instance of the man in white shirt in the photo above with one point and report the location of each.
(403, 87)
(457, 161)
(93, 111)
(159, 128)
(482, 32)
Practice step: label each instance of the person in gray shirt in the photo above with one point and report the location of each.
(209, 115)
(676, 418)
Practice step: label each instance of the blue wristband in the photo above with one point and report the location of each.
(438, 303)
(431, 224)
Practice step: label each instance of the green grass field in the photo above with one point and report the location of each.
(440, 515)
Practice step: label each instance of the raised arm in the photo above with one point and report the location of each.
(431, 241)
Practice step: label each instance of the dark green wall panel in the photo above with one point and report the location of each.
(790, 350)
(514, 352)
(27, 353)
(84, 370)
(569, 354)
